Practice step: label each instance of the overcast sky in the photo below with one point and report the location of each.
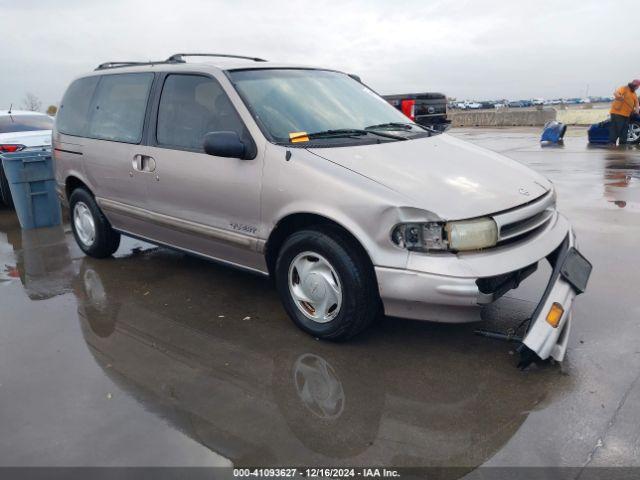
(467, 49)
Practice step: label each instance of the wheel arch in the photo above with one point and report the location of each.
(73, 182)
(298, 221)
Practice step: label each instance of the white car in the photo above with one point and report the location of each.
(21, 130)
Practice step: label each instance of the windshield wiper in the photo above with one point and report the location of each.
(345, 132)
(404, 126)
(396, 125)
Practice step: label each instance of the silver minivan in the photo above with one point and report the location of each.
(309, 176)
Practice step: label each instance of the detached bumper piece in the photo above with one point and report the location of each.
(548, 332)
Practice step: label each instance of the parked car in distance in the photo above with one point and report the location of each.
(487, 105)
(466, 105)
(599, 132)
(428, 109)
(307, 175)
(21, 130)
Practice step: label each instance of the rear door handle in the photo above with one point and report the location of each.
(143, 163)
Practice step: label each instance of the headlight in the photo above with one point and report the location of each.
(438, 236)
(420, 236)
(472, 234)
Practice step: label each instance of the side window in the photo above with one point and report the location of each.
(73, 117)
(190, 107)
(119, 107)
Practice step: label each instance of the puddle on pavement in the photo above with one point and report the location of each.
(210, 350)
(596, 173)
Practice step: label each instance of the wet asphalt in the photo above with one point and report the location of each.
(157, 358)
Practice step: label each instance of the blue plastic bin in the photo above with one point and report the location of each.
(33, 188)
(553, 132)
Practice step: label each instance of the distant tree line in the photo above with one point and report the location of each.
(32, 103)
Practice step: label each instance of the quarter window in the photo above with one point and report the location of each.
(119, 107)
(73, 117)
(190, 107)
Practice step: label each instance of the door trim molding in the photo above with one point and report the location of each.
(218, 234)
(219, 260)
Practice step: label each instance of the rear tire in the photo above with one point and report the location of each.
(328, 262)
(91, 229)
(5, 192)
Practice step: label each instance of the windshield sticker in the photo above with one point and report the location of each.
(295, 137)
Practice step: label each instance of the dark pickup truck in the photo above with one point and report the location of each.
(428, 109)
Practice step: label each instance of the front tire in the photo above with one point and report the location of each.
(91, 229)
(326, 284)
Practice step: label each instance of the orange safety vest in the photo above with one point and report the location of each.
(626, 104)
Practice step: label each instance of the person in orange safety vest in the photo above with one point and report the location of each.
(624, 104)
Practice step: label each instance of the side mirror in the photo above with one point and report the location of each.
(224, 144)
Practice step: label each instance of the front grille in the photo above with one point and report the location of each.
(522, 227)
(526, 220)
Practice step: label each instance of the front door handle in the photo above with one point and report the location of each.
(136, 163)
(143, 163)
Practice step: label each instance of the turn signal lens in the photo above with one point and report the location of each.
(555, 315)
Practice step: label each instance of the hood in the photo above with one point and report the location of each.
(447, 176)
(34, 138)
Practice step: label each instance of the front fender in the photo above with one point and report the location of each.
(307, 183)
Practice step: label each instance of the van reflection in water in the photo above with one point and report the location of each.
(211, 351)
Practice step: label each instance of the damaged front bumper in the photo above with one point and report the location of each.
(453, 290)
(550, 324)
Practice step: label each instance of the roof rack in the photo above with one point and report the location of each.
(175, 58)
(106, 65)
(178, 57)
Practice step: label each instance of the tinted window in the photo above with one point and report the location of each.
(119, 107)
(73, 117)
(190, 107)
(24, 123)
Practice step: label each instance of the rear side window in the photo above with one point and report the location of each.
(190, 107)
(24, 123)
(119, 107)
(73, 117)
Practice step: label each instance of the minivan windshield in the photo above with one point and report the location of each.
(288, 103)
